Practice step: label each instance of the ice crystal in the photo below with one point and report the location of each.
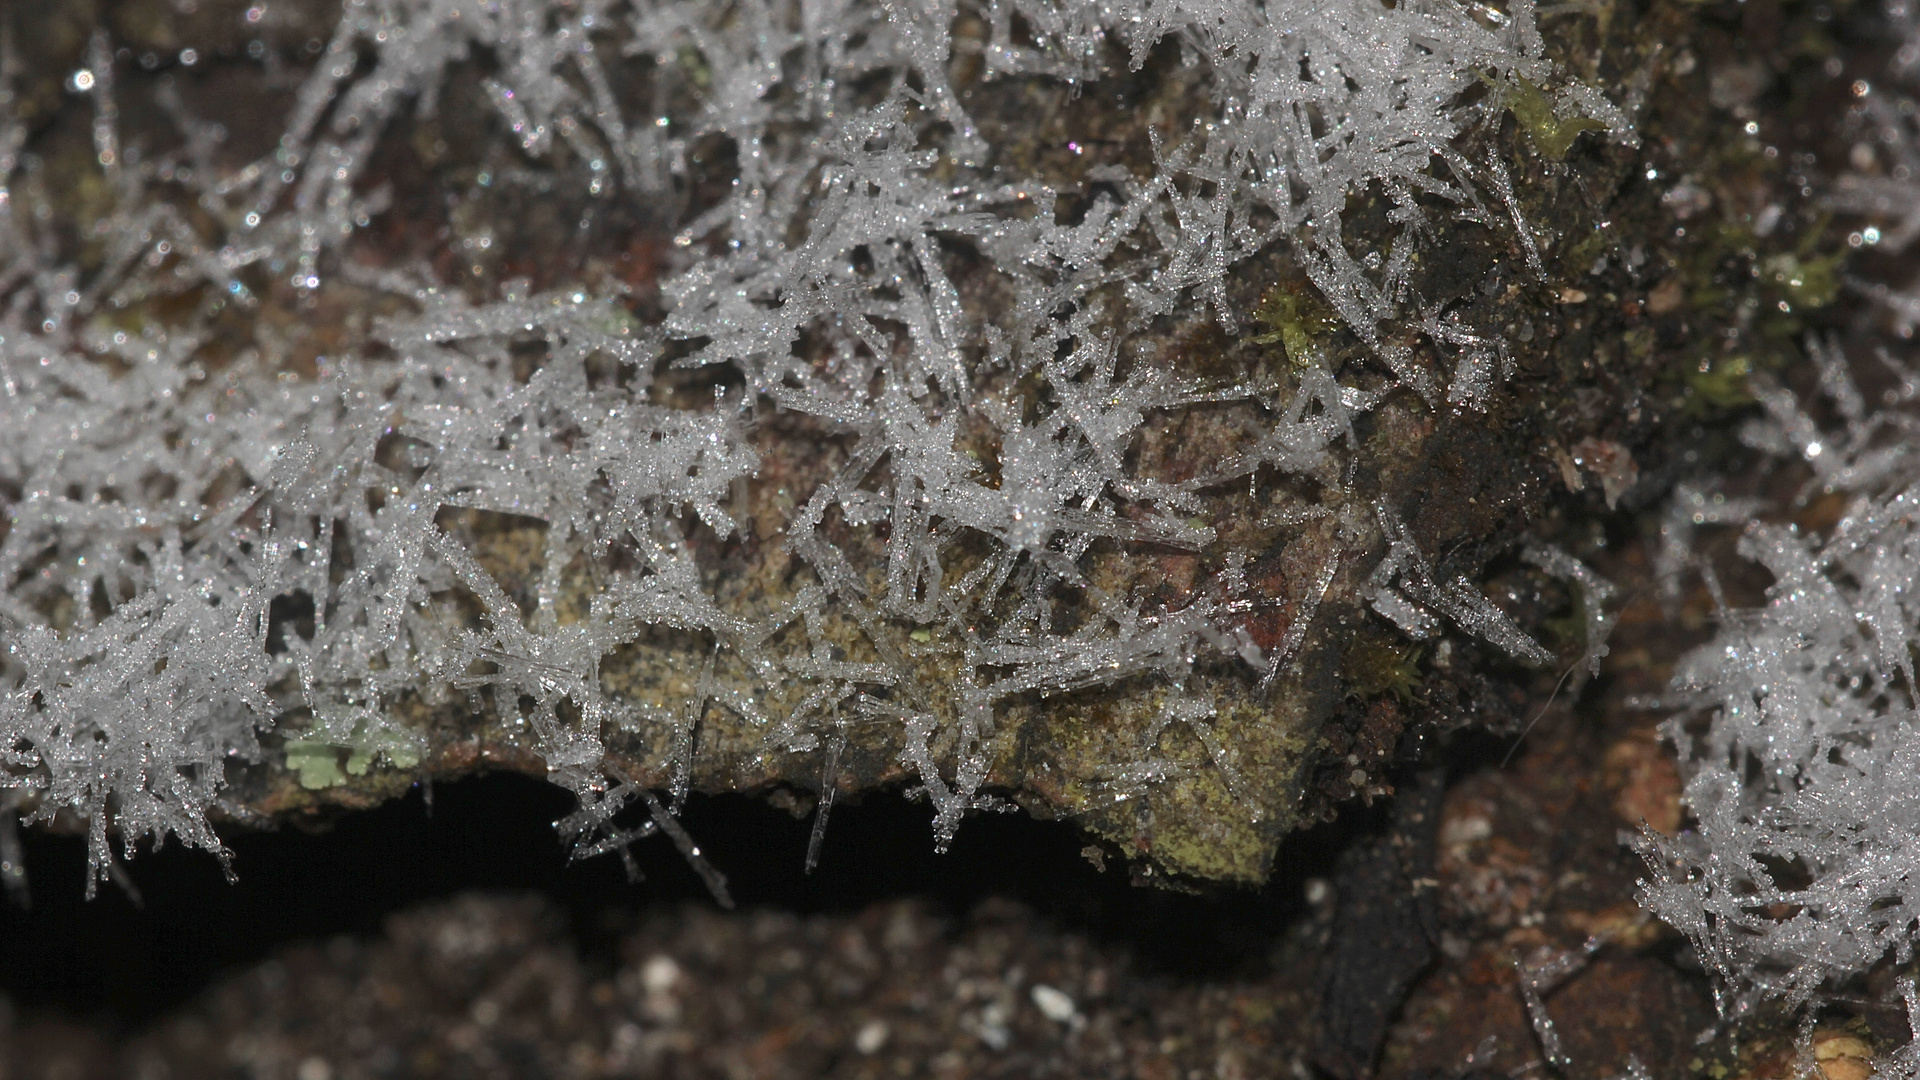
(1538, 976)
(1595, 592)
(163, 495)
(1406, 591)
(1904, 1062)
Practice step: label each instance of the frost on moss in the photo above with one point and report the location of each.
(166, 485)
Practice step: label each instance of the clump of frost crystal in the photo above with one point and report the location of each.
(165, 487)
(1799, 731)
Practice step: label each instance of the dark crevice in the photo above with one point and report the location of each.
(110, 963)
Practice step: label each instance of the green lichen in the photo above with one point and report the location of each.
(315, 757)
(315, 764)
(1722, 382)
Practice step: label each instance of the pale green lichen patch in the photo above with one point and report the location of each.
(366, 741)
(315, 764)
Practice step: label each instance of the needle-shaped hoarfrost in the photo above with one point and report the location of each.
(877, 265)
(1595, 591)
(1407, 592)
(1904, 1062)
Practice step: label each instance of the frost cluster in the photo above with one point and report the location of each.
(877, 265)
(1799, 731)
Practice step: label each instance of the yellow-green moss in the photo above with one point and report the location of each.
(1552, 136)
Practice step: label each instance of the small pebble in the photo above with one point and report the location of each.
(871, 1037)
(1056, 1005)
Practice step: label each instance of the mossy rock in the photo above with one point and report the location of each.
(1593, 361)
